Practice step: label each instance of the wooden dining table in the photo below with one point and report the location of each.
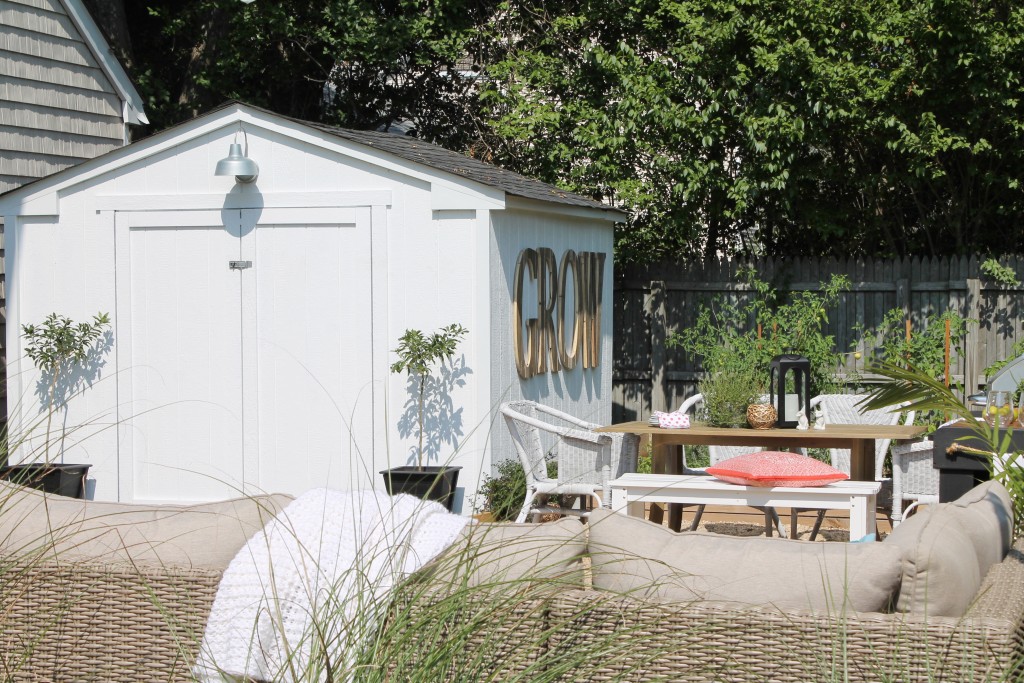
(859, 438)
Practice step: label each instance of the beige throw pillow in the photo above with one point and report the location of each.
(634, 556)
(495, 554)
(948, 549)
(205, 535)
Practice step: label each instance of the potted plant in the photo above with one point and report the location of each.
(417, 355)
(727, 393)
(56, 346)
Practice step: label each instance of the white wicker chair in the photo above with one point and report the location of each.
(587, 461)
(914, 478)
(843, 409)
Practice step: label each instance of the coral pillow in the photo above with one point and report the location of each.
(776, 468)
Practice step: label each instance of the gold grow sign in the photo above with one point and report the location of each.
(548, 346)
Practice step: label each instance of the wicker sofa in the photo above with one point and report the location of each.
(120, 593)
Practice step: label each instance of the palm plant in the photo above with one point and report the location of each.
(925, 393)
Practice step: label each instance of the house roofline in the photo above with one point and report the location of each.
(133, 112)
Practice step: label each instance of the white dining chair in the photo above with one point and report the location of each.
(587, 461)
(846, 409)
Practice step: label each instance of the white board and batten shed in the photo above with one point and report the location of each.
(253, 324)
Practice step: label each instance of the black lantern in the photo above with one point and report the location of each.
(782, 368)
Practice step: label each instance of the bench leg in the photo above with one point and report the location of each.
(862, 517)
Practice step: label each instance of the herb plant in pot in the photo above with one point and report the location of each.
(417, 354)
(727, 394)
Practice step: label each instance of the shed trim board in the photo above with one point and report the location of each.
(43, 196)
(453, 192)
(242, 200)
(134, 112)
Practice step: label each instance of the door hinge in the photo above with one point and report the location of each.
(239, 265)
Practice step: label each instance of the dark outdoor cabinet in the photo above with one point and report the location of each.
(959, 472)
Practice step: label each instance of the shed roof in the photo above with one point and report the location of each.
(443, 159)
(407, 150)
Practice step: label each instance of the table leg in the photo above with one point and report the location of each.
(666, 459)
(862, 460)
(619, 499)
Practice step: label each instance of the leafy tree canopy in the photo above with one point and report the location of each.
(773, 126)
(355, 63)
(776, 127)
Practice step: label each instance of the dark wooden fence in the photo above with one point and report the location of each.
(652, 301)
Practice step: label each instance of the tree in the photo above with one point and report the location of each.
(770, 125)
(358, 63)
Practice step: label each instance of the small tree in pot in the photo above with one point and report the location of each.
(58, 346)
(417, 354)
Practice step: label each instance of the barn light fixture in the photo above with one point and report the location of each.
(237, 163)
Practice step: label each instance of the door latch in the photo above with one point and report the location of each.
(239, 265)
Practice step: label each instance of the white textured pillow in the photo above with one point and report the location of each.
(634, 556)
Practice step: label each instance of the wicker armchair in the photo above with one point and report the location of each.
(844, 409)
(914, 478)
(587, 461)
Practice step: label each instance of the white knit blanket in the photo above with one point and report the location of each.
(305, 593)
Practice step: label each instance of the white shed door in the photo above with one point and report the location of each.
(253, 377)
(313, 339)
(183, 357)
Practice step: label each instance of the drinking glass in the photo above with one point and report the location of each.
(999, 409)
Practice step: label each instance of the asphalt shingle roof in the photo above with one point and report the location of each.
(437, 157)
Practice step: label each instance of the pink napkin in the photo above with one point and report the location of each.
(674, 420)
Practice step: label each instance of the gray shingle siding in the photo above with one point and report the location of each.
(57, 106)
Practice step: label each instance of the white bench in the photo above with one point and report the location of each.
(858, 497)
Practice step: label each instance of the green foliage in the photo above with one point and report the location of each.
(417, 352)
(377, 63)
(769, 125)
(726, 334)
(727, 393)
(59, 341)
(504, 494)
(1000, 274)
(926, 348)
(55, 346)
(928, 394)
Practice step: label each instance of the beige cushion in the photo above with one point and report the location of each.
(948, 549)
(631, 555)
(206, 535)
(502, 553)
(985, 514)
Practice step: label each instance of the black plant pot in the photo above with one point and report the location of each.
(64, 480)
(431, 482)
